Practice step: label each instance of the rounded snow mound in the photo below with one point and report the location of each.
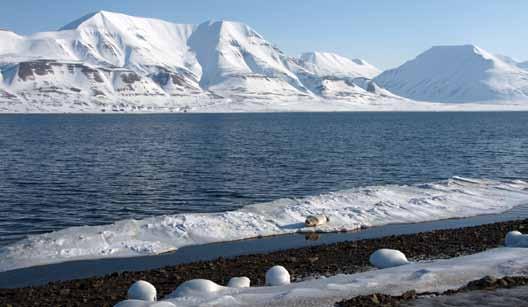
(142, 290)
(277, 276)
(516, 239)
(387, 258)
(140, 303)
(239, 282)
(196, 287)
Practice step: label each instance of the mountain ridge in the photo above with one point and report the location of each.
(116, 60)
(107, 61)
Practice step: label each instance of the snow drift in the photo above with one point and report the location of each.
(142, 290)
(387, 258)
(516, 239)
(196, 287)
(239, 282)
(347, 210)
(277, 276)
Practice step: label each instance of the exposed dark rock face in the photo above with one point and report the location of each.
(27, 70)
(92, 74)
(130, 77)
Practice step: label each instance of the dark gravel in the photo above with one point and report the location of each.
(343, 257)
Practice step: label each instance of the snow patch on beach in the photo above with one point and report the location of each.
(434, 276)
(346, 210)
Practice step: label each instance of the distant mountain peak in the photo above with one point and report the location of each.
(76, 23)
(459, 73)
(100, 19)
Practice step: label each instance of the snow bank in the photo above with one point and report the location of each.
(347, 210)
(196, 287)
(142, 290)
(239, 282)
(516, 239)
(387, 258)
(438, 275)
(277, 276)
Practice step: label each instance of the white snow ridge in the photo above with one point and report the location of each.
(346, 210)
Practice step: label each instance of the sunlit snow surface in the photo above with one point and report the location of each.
(438, 275)
(347, 210)
(111, 62)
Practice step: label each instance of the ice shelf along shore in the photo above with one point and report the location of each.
(346, 210)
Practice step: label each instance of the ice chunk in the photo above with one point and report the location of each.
(387, 258)
(142, 290)
(277, 276)
(196, 287)
(239, 282)
(516, 239)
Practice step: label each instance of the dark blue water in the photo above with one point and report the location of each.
(58, 171)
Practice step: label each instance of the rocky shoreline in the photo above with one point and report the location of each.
(302, 263)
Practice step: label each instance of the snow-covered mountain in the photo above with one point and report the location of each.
(457, 74)
(112, 61)
(332, 76)
(330, 64)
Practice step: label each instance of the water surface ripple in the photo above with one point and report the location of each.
(58, 171)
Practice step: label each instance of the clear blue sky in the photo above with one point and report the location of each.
(383, 32)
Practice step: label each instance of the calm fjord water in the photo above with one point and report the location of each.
(58, 171)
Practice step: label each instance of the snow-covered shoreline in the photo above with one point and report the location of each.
(249, 106)
(426, 276)
(348, 210)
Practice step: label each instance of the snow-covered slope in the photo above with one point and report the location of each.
(457, 74)
(523, 65)
(114, 62)
(335, 77)
(330, 64)
(236, 60)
